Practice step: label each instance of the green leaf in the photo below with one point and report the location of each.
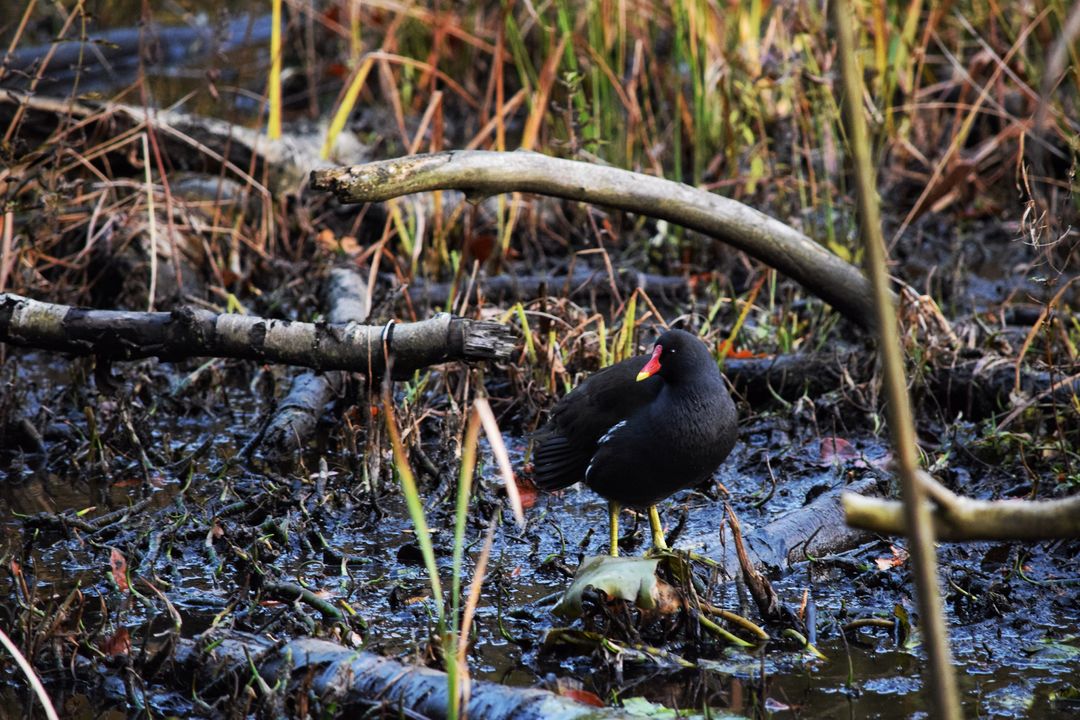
(626, 578)
(642, 708)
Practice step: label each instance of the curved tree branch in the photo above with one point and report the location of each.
(837, 282)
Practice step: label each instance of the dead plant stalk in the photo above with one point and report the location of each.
(940, 674)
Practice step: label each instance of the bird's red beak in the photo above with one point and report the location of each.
(653, 366)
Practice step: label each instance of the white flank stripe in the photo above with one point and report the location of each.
(606, 436)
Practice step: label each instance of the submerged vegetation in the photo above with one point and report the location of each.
(176, 533)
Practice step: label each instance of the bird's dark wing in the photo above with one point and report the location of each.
(558, 463)
(567, 443)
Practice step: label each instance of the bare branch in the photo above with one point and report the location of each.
(967, 519)
(837, 282)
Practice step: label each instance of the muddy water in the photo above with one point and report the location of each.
(1014, 637)
(1010, 663)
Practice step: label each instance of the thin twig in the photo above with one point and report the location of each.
(31, 676)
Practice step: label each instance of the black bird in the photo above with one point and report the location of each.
(641, 429)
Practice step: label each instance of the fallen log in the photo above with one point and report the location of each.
(988, 385)
(792, 376)
(814, 530)
(188, 332)
(347, 681)
(976, 388)
(296, 416)
(583, 281)
(112, 58)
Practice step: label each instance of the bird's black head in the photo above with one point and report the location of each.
(678, 355)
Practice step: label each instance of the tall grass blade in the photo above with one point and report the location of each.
(414, 504)
(498, 448)
(273, 128)
(31, 676)
(344, 110)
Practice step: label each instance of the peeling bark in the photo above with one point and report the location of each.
(351, 680)
(296, 416)
(193, 332)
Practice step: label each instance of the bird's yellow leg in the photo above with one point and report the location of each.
(657, 529)
(613, 522)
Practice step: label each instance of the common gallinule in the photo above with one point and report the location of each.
(641, 429)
